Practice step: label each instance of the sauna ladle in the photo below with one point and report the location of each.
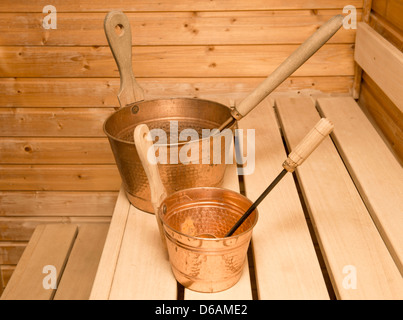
(302, 151)
(285, 69)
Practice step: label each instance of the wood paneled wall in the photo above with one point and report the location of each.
(386, 17)
(58, 86)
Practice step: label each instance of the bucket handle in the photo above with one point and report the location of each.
(119, 36)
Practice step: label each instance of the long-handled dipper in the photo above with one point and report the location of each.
(302, 151)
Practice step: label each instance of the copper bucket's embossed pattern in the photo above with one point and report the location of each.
(199, 263)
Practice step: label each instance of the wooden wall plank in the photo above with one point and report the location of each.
(61, 122)
(381, 61)
(168, 5)
(57, 203)
(30, 150)
(386, 30)
(384, 113)
(173, 28)
(5, 272)
(10, 252)
(59, 177)
(102, 92)
(172, 61)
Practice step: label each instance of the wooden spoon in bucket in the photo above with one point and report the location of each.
(145, 150)
(302, 151)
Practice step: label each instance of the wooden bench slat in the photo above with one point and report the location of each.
(242, 289)
(142, 270)
(79, 274)
(104, 276)
(50, 245)
(376, 172)
(286, 265)
(347, 235)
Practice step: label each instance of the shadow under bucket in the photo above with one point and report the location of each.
(199, 261)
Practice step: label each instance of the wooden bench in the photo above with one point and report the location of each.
(59, 262)
(350, 189)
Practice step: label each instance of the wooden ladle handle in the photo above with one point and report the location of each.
(311, 141)
(289, 66)
(119, 36)
(145, 150)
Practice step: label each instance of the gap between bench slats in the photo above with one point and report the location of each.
(347, 235)
(286, 265)
(376, 172)
(79, 274)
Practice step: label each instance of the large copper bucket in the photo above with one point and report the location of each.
(190, 113)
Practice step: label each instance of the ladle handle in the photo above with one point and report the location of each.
(119, 36)
(289, 66)
(311, 141)
(145, 150)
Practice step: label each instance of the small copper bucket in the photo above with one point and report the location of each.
(195, 222)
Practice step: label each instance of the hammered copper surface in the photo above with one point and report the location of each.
(206, 264)
(190, 113)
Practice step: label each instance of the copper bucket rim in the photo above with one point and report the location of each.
(110, 136)
(256, 212)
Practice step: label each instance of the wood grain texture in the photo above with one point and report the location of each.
(45, 122)
(15, 229)
(281, 230)
(102, 92)
(172, 61)
(59, 177)
(79, 273)
(53, 150)
(343, 224)
(384, 113)
(168, 5)
(57, 203)
(104, 277)
(381, 61)
(376, 173)
(58, 86)
(50, 245)
(173, 28)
